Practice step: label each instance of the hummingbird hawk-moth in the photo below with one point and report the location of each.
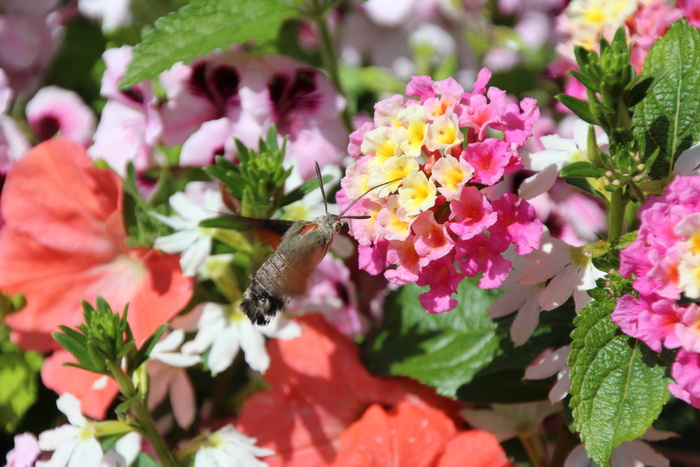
(300, 247)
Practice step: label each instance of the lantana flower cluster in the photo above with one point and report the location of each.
(665, 261)
(434, 157)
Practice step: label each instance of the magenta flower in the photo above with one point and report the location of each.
(665, 261)
(431, 223)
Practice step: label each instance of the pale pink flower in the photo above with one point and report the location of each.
(25, 452)
(54, 111)
(549, 363)
(166, 367)
(130, 127)
(570, 269)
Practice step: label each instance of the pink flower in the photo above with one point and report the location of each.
(691, 10)
(489, 159)
(64, 241)
(471, 213)
(244, 95)
(664, 261)
(431, 207)
(25, 452)
(654, 322)
(53, 111)
(686, 371)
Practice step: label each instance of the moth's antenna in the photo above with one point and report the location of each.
(362, 196)
(320, 184)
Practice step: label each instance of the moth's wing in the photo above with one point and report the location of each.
(270, 230)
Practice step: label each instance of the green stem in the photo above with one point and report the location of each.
(617, 215)
(331, 62)
(534, 447)
(143, 415)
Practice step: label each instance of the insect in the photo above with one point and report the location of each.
(302, 246)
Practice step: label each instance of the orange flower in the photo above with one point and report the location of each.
(324, 408)
(64, 241)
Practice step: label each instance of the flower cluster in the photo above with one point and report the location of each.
(665, 262)
(211, 101)
(430, 159)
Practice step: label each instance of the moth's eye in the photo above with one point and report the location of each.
(338, 226)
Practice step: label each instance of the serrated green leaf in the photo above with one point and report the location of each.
(441, 350)
(200, 27)
(668, 117)
(582, 169)
(18, 391)
(618, 385)
(580, 107)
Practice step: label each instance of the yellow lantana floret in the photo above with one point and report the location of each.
(393, 169)
(444, 133)
(417, 193)
(451, 173)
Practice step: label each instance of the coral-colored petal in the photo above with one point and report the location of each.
(474, 448)
(63, 242)
(406, 434)
(95, 392)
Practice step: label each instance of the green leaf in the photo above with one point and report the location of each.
(582, 169)
(441, 350)
(144, 460)
(580, 107)
(448, 351)
(668, 117)
(18, 391)
(303, 190)
(200, 27)
(618, 385)
(74, 342)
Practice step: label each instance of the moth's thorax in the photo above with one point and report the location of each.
(329, 223)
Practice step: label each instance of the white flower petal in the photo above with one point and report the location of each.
(688, 162)
(253, 344)
(87, 453)
(194, 256)
(182, 205)
(70, 406)
(223, 350)
(538, 183)
(281, 328)
(176, 222)
(62, 436)
(169, 343)
(129, 447)
(177, 242)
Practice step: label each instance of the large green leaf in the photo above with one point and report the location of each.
(18, 373)
(618, 384)
(200, 27)
(461, 353)
(668, 117)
